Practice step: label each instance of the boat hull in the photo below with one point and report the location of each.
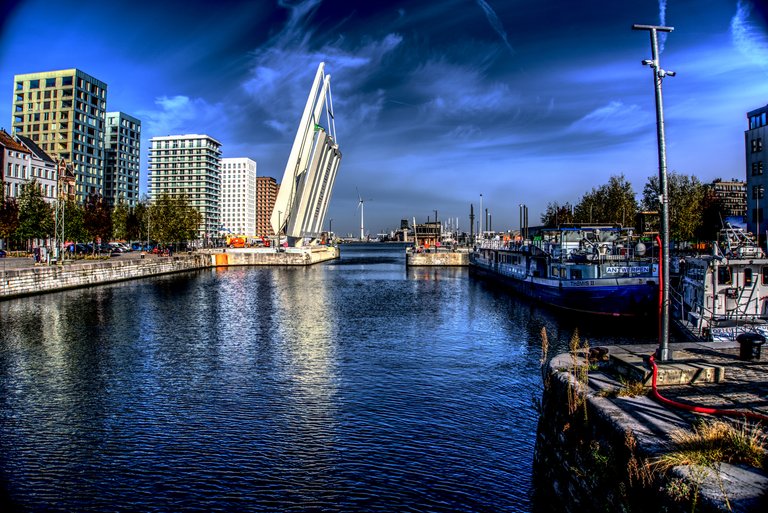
(634, 297)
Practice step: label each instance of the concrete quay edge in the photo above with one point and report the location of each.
(733, 384)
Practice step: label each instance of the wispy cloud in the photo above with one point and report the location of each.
(174, 114)
(615, 118)
(747, 36)
(495, 22)
(283, 68)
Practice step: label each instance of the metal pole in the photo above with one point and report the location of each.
(482, 226)
(663, 353)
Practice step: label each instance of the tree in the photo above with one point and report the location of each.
(9, 217)
(97, 218)
(120, 216)
(74, 226)
(35, 215)
(686, 197)
(173, 219)
(612, 203)
(557, 214)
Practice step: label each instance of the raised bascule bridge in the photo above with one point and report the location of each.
(302, 201)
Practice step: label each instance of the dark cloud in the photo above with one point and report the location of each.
(435, 102)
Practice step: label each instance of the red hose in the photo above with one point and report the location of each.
(699, 409)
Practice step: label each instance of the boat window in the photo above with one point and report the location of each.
(765, 275)
(748, 277)
(575, 274)
(724, 275)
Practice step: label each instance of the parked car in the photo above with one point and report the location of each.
(3, 254)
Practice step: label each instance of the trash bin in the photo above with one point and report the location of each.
(750, 345)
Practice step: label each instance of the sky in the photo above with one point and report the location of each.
(436, 103)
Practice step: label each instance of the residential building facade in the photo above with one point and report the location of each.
(238, 196)
(123, 156)
(16, 165)
(266, 194)
(732, 196)
(188, 166)
(64, 113)
(43, 170)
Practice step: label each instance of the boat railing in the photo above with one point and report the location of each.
(501, 244)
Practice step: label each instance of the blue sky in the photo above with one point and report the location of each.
(435, 102)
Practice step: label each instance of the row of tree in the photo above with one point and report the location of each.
(26, 218)
(695, 213)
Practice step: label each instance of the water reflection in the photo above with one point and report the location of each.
(353, 385)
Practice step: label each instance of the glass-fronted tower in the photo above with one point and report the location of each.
(123, 155)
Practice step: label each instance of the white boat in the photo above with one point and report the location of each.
(725, 293)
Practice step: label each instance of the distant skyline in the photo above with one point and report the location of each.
(435, 102)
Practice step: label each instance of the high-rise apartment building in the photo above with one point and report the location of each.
(190, 166)
(238, 196)
(64, 112)
(754, 139)
(266, 194)
(123, 155)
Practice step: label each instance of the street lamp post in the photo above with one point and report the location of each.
(663, 353)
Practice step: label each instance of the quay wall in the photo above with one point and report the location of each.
(247, 256)
(446, 259)
(38, 280)
(42, 279)
(592, 455)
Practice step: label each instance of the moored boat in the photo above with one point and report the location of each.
(593, 270)
(725, 293)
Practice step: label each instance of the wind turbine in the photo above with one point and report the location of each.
(361, 206)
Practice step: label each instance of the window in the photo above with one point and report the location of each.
(724, 275)
(757, 168)
(50, 82)
(748, 277)
(34, 84)
(765, 275)
(757, 145)
(757, 191)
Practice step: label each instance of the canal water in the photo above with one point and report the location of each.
(354, 385)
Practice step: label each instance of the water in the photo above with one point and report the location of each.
(351, 385)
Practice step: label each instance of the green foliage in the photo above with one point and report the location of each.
(686, 203)
(173, 219)
(557, 214)
(612, 203)
(74, 226)
(120, 215)
(35, 215)
(97, 218)
(9, 217)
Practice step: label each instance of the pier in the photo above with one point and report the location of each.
(443, 258)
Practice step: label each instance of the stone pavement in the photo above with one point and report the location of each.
(734, 384)
(741, 384)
